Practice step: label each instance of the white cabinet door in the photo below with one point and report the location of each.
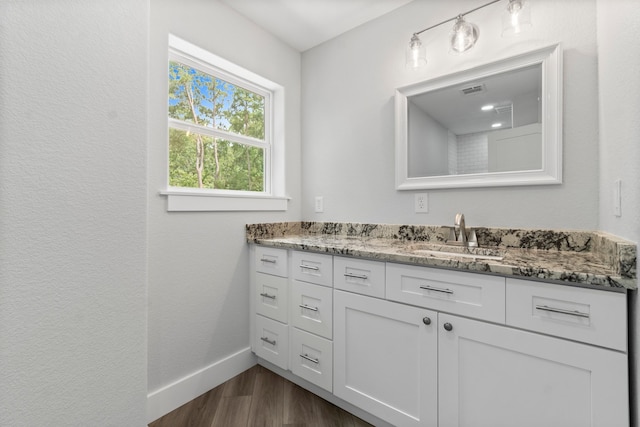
(385, 359)
(491, 375)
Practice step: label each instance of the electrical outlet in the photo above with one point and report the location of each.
(319, 207)
(421, 203)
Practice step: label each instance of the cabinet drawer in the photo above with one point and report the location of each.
(272, 341)
(271, 297)
(360, 276)
(312, 358)
(312, 308)
(271, 261)
(467, 294)
(312, 268)
(581, 314)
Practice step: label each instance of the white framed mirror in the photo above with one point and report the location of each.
(498, 124)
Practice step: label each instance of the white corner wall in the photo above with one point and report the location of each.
(73, 141)
(619, 90)
(348, 118)
(198, 262)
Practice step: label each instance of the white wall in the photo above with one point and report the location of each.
(348, 128)
(198, 262)
(619, 90)
(73, 142)
(426, 158)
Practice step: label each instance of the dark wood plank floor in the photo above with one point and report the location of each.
(258, 398)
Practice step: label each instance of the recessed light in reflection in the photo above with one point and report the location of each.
(487, 107)
(496, 125)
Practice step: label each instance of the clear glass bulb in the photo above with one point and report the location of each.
(463, 36)
(516, 18)
(416, 53)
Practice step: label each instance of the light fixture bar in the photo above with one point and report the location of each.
(455, 17)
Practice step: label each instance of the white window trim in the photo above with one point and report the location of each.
(274, 198)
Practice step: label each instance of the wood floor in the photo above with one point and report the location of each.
(258, 398)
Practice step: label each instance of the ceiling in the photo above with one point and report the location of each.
(304, 24)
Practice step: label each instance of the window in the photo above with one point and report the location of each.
(222, 154)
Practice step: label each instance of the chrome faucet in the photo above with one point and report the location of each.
(460, 235)
(461, 229)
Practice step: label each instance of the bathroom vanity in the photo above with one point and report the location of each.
(530, 329)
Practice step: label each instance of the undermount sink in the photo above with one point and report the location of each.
(447, 251)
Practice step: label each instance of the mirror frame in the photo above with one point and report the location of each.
(550, 59)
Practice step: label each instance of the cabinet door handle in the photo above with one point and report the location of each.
(431, 288)
(562, 311)
(268, 341)
(426, 320)
(309, 267)
(308, 307)
(356, 276)
(266, 295)
(448, 327)
(272, 261)
(310, 359)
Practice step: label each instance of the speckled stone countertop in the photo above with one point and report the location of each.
(584, 258)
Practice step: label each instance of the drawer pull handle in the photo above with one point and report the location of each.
(268, 341)
(309, 267)
(356, 276)
(431, 288)
(272, 261)
(266, 295)
(310, 359)
(308, 307)
(562, 311)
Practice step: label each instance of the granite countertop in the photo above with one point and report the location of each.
(591, 259)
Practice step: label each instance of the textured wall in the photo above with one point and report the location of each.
(348, 117)
(72, 212)
(198, 262)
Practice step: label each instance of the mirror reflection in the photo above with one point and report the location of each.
(486, 125)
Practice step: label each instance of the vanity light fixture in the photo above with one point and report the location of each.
(516, 18)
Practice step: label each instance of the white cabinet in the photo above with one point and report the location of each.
(419, 346)
(491, 375)
(385, 359)
(270, 308)
(311, 314)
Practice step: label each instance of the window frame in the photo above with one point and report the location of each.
(272, 198)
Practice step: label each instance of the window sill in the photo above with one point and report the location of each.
(194, 201)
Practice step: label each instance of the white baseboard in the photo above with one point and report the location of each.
(172, 396)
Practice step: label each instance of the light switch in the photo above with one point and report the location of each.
(617, 198)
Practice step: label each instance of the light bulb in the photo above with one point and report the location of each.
(516, 18)
(416, 53)
(463, 36)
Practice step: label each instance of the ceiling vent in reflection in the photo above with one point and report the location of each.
(504, 109)
(472, 90)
